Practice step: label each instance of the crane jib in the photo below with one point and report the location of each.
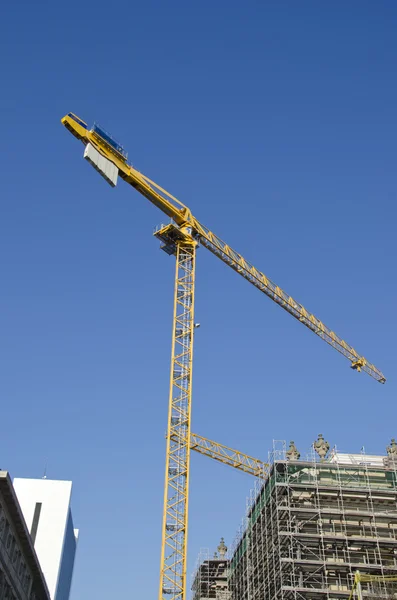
(182, 215)
(264, 284)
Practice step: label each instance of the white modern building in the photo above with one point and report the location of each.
(45, 505)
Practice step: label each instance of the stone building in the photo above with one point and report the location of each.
(313, 523)
(21, 577)
(211, 577)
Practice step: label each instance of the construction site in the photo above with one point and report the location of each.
(311, 525)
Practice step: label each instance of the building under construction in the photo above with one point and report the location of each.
(211, 577)
(312, 524)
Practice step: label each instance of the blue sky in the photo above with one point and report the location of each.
(275, 122)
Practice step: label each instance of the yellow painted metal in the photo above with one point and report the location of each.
(182, 215)
(229, 456)
(180, 238)
(360, 578)
(176, 489)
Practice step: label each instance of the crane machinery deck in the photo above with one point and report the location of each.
(181, 238)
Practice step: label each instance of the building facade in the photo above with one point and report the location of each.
(45, 505)
(314, 523)
(210, 580)
(311, 528)
(21, 577)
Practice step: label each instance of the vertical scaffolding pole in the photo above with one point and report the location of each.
(359, 590)
(175, 516)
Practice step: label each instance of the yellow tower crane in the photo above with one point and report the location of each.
(181, 238)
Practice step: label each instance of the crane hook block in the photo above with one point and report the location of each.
(358, 364)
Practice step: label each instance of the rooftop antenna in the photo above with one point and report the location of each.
(45, 472)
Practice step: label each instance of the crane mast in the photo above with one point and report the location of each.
(177, 469)
(181, 238)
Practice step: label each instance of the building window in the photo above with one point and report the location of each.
(35, 522)
(15, 558)
(2, 525)
(6, 529)
(26, 582)
(21, 569)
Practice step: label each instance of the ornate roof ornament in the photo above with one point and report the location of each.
(392, 449)
(292, 452)
(321, 446)
(222, 548)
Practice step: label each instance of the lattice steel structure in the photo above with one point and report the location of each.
(312, 525)
(229, 456)
(109, 159)
(110, 153)
(175, 517)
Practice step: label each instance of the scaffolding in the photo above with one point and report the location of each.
(377, 587)
(313, 524)
(210, 579)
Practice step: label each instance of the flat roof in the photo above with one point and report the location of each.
(12, 504)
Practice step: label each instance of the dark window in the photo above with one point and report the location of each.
(35, 522)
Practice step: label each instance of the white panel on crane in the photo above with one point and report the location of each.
(103, 165)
